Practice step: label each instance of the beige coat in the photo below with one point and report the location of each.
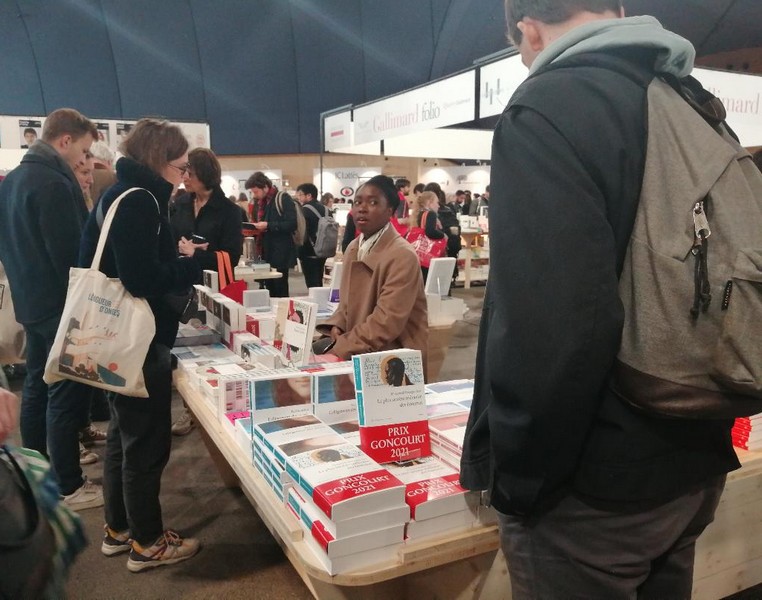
(382, 305)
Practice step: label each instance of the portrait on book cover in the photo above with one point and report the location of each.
(393, 371)
(336, 388)
(313, 443)
(287, 391)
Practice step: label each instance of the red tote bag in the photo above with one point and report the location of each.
(228, 285)
(425, 248)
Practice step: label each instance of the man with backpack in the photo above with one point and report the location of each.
(278, 220)
(321, 235)
(603, 447)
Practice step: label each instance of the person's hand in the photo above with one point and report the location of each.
(261, 225)
(187, 248)
(335, 333)
(325, 358)
(9, 413)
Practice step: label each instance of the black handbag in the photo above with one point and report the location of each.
(184, 305)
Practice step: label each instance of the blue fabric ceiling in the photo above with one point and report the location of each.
(260, 71)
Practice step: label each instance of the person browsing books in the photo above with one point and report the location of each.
(382, 305)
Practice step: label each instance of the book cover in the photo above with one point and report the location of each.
(349, 430)
(417, 530)
(391, 405)
(333, 393)
(343, 481)
(295, 329)
(280, 394)
(262, 326)
(432, 488)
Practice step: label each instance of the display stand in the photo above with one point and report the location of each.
(471, 239)
(250, 275)
(456, 566)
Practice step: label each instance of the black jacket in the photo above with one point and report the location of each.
(567, 165)
(140, 249)
(278, 247)
(42, 212)
(307, 249)
(219, 221)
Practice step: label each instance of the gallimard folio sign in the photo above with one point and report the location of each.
(439, 104)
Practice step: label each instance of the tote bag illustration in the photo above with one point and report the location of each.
(105, 332)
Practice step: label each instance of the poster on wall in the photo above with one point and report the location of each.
(29, 131)
(104, 133)
(122, 129)
(343, 182)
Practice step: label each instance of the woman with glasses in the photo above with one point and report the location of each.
(205, 211)
(142, 253)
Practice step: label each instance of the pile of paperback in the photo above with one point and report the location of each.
(747, 432)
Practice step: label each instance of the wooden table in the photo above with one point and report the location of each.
(470, 238)
(455, 566)
(467, 565)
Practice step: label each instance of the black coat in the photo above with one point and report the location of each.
(42, 212)
(278, 247)
(567, 165)
(219, 221)
(140, 249)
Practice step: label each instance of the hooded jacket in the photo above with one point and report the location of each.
(42, 212)
(567, 165)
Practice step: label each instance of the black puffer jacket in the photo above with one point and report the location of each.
(140, 250)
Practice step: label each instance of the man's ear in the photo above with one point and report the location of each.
(530, 30)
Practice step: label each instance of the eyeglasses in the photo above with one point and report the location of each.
(183, 170)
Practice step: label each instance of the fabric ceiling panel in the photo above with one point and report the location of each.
(742, 24)
(329, 61)
(156, 57)
(247, 52)
(398, 43)
(20, 93)
(74, 62)
(473, 29)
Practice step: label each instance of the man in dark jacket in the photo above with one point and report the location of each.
(276, 222)
(42, 213)
(312, 266)
(596, 499)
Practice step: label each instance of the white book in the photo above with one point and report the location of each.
(243, 435)
(195, 335)
(390, 516)
(314, 523)
(432, 488)
(273, 434)
(333, 394)
(417, 530)
(344, 482)
(211, 280)
(450, 430)
(281, 394)
(391, 405)
(294, 330)
(262, 325)
(447, 455)
(450, 391)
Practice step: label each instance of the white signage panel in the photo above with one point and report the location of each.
(343, 182)
(741, 95)
(337, 131)
(497, 82)
(439, 104)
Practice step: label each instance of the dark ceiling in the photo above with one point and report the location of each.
(260, 72)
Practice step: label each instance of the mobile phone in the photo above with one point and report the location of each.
(322, 345)
(198, 239)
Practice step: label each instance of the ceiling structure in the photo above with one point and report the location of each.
(260, 72)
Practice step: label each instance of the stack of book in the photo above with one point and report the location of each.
(747, 433)
(195, 335)
(391, 405)
(447, 434)
(438, 504)
(352, 509)
(280, 394)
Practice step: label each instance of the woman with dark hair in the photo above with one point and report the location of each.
(205, 211)
(141, 252)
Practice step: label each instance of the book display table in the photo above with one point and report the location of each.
(466, 564)
(470, 239)
(454, 566)
(250, 275)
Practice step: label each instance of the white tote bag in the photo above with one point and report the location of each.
(105, 332)
(12, 337)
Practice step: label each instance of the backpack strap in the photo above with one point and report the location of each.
(314, 210)
(279, 203)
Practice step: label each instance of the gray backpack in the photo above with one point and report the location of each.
(327, 237)
(692, 279)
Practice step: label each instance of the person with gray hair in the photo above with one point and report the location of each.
(596, 499)
(103, 172)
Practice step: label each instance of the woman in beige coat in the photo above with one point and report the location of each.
(382, 305)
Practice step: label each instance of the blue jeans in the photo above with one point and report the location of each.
(52, 415)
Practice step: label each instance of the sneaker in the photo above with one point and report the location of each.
(90, 435)
(115, 542)
(90, 495)
(85, 456)
(169, 549)
(184, 425)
